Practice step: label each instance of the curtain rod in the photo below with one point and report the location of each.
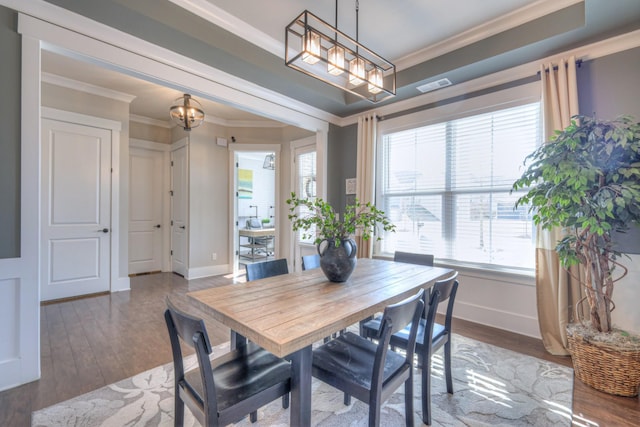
(555, 67)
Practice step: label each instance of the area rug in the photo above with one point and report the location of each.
(492, 387)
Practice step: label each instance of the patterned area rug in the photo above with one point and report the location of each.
(492, 387)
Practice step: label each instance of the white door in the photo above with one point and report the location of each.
(179, 210)
(305, 187)
(145, 210)
(76, 206)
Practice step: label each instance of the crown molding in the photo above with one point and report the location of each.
(225, 20)
(56, 26)
(57, 80)
(586, 53)
(149, 121)
(487, 29)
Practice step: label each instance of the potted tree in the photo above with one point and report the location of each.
(586, 180)
(332, 234)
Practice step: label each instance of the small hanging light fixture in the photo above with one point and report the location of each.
(269, 161)
(186, 112)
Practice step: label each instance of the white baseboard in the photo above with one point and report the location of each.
(513, 322)
(210, 270)
(121, 284)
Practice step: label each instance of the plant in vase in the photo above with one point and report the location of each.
(332, 234)
(586, 181)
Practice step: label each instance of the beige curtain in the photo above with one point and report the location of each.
(365, 172)
(557, 290)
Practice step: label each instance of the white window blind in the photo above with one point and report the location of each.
(306, 172)
(446, 187)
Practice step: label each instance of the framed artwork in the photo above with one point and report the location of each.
(245, 183)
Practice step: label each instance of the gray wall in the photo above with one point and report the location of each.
(609, 86)
(341, 162)
(10, 136)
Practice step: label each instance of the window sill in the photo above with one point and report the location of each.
(514, 276)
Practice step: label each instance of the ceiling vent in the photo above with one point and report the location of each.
(434, 85)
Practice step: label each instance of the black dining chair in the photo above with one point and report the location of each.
(413, 258)
(409, 258)
(261, 270)
(425, 347)
(369, 372)
(310, 261)
(227, 389)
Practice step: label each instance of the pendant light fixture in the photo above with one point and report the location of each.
(186, 112)
(316, 48)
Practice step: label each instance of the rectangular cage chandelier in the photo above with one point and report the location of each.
(320, 50)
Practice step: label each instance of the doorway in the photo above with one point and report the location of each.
(255, 210)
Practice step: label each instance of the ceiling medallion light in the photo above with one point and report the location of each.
(320, 50)
(186, 112)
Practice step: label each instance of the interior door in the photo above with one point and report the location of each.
(145, 210)
(304, 187)
(179, 211)
(76, 210)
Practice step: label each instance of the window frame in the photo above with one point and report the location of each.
(486, 103)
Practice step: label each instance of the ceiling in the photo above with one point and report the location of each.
(427, 40)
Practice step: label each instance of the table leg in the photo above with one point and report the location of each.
(300, 410)
(237, 340)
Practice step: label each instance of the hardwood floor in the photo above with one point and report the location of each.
(92, 342)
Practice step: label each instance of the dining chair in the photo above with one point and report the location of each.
(372, 373)
(409, 258)
(413, 258)
(440, 336)
(310, 261)
(227, 389)
(261, 270)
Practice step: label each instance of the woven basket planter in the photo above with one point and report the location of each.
(604, 367)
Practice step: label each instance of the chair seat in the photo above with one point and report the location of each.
(403, 335)
(349, 359)
(242, 374)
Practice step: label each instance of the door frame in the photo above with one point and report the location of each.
(234, 239)
(165, 261)
(309, 142)
(116, 283)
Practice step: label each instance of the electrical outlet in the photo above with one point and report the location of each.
(214, 256)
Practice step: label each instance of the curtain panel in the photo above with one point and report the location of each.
(557, 289)
(365, 172)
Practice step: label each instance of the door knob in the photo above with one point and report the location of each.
(157, 225)
(183, 227)
(104, 230)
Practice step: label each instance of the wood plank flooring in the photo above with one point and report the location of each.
(91, 342)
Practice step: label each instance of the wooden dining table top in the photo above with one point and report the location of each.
(285, 313)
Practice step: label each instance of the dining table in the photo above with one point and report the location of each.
(286, 314)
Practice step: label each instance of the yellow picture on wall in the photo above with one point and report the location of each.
(245, 183)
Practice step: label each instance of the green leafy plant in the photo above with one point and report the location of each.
(318, 220)
(586, 180)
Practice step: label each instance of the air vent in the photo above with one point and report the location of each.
(434, 85)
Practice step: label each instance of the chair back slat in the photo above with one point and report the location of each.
(413, 258)
(261, 270)
(310, 262)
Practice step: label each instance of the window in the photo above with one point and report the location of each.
(306, 185)
(446, 186)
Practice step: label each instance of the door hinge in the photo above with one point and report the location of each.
(237, 253)
(111, 170)
(236, 223)
(236, 194)
(171, 222)
(171, 193)
(172, 252)
(237, 164)
(171, 162)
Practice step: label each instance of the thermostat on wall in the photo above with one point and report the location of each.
(350, 185)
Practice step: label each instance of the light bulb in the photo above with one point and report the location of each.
(311, 47)
(356, 69)
(335, 58)
(375, 80)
